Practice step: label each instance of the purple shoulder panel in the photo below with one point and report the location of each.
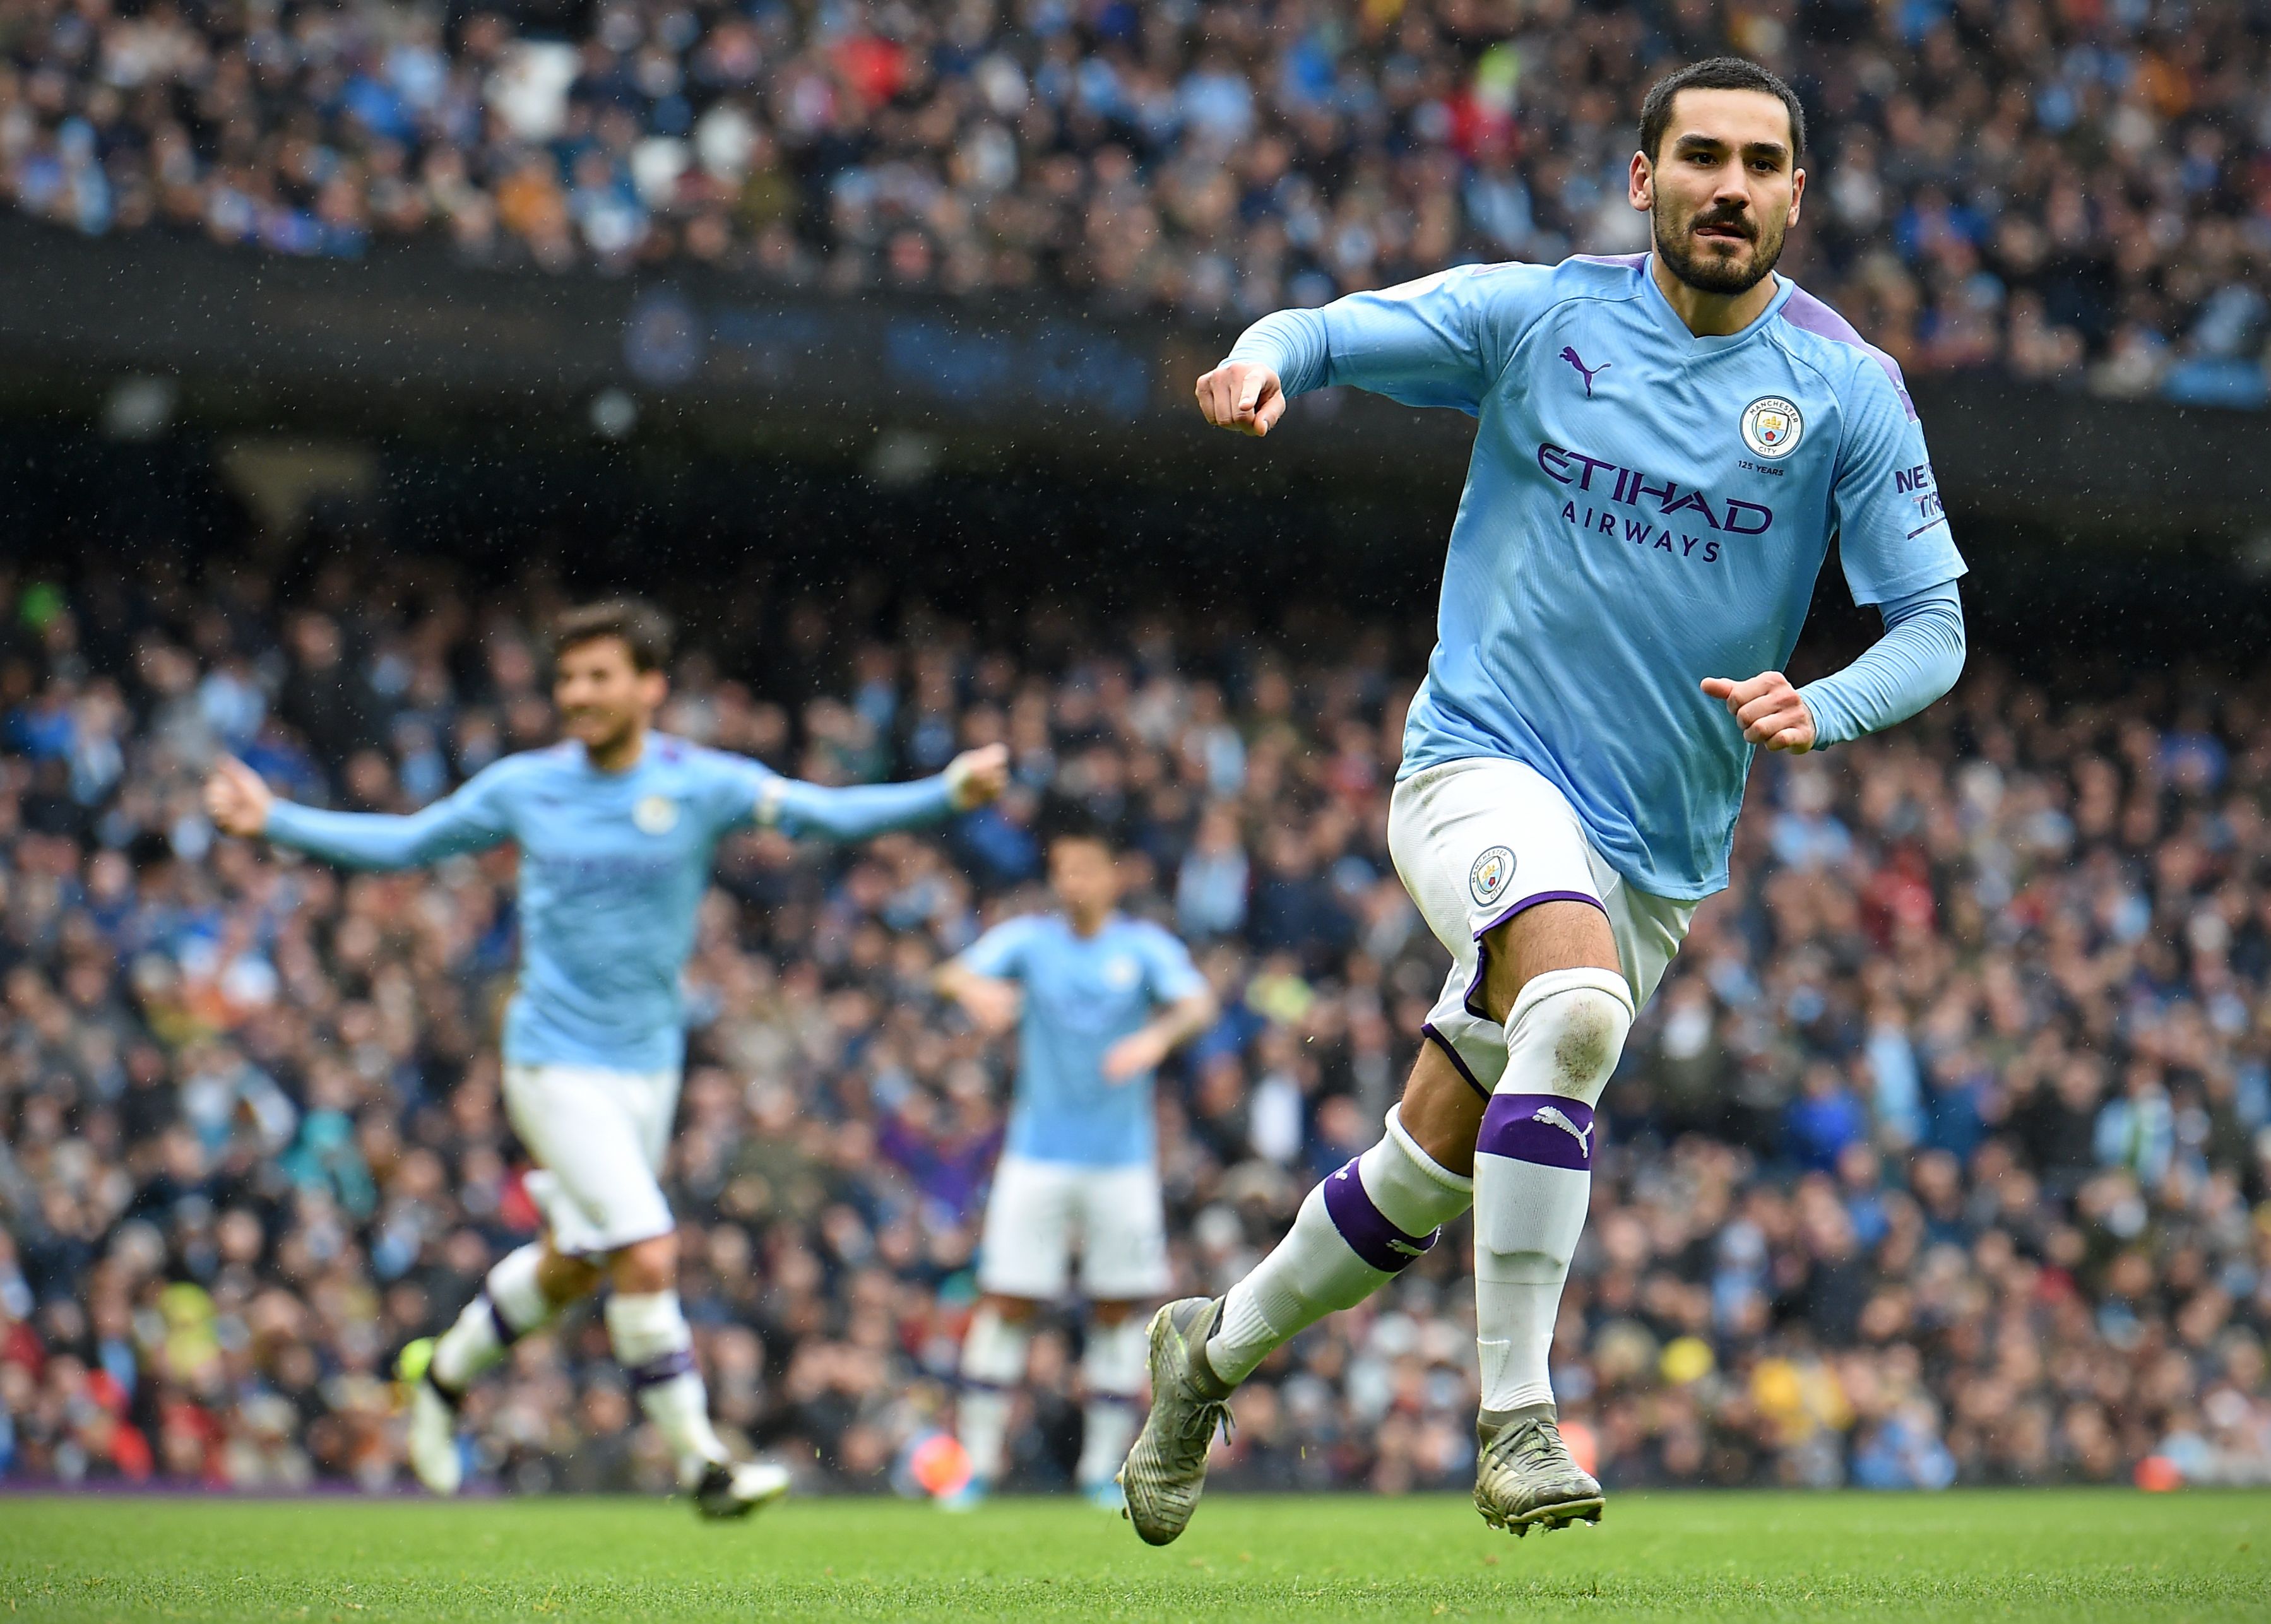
(1808, 314)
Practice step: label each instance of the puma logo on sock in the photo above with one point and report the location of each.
(1554, 1115)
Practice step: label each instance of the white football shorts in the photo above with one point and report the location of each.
(599, 1139)
(1477, 842)
(1038, 1212)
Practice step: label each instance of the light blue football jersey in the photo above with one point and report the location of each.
(613, 869)
(1644, 509)
(1082, 995)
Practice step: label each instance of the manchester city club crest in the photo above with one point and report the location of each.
(655, 815)
(1772, 425)
(1487, 880)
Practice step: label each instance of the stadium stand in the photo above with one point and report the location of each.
(2077, 192)
(1945, 1155)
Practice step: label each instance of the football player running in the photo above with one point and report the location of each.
(1098, 999)
(615, 826)
(1666, 444)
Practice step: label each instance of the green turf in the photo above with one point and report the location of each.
(2076, 1557)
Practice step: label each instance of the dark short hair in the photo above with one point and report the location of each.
(1715, 73)
(642, 628)
(1065, 819)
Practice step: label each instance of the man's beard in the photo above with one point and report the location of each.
(1708, 273)
(619, 730)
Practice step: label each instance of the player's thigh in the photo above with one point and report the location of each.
(1025, 1248)
(1492, 853)
(583, 1128)
(1559, 935)
(1123, 1234)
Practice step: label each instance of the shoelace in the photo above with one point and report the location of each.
(1198, 1434)
(1530, 1443)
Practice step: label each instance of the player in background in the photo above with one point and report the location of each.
(1098, 1000)
(1666, 444)
(615, 825)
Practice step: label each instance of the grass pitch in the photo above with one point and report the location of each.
(2077, 1556)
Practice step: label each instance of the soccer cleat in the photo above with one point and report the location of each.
(735, 1488)
(1525, 1476)
(434, 1459)
(1105, 1496)
(1166, 1470)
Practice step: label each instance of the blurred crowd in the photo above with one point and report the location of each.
(2076, 190)
(1943, 1155)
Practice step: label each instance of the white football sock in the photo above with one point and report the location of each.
(992, 1366)
(509, 1306)
(1356, 1230)
(1534, 1172)
(655, 1347)
(1112, 1370)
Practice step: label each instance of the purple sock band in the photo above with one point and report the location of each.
(655, 1372)
(505, 1334)
(1548, 1129)
(1367, 1229)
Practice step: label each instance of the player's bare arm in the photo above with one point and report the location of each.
(1769, 710)
(1141, 1052)
(236, 800)
(1244, 396)
(991, 1002)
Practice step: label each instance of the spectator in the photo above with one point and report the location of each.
(2070, 195)
(1866, 1212)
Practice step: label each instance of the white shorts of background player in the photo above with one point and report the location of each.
(1040, 1210)
(1477, 842)
(597, 1138)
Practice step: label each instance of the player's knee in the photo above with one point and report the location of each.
(1011, 1310)
(646, 1266)
(1571, 1025)
(562, 1278)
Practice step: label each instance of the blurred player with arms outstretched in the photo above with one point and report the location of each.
(615, 826)
(1098, 1000)
(1666, 445)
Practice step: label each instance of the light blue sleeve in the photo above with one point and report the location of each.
(1000, 954)
(1168, 969)
(1914, 662)
(477, 815)
(1440, 341)
(856, 812)
(1892, 528)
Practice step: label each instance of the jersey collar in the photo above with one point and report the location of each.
(1669, 319)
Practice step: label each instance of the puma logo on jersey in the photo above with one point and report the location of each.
(1569, 354)
(1554, 1115)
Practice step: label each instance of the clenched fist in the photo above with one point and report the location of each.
(1768, 709)
(236, 800)
(1243, 395)
(976, 777)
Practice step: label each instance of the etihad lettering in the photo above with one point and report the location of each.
(1632, 488)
